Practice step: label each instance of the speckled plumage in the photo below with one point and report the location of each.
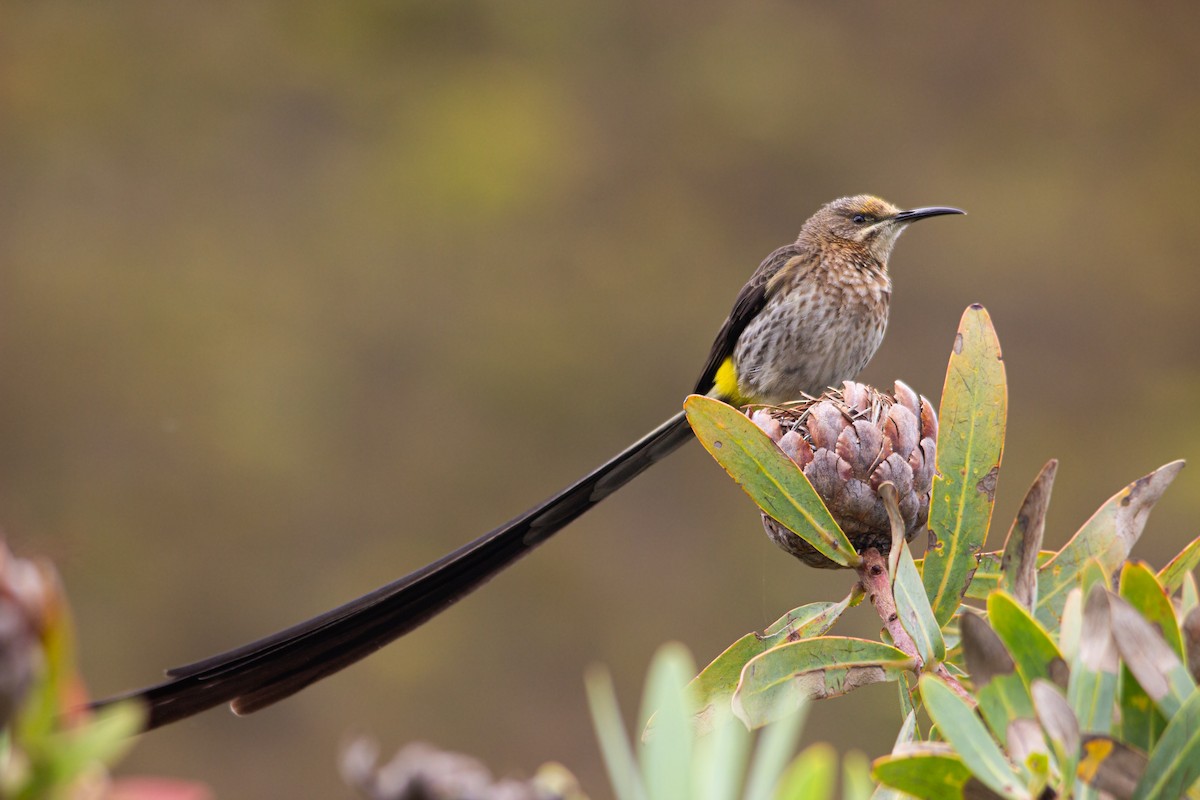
(822, 325)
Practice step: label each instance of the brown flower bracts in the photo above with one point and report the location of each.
(848, 441)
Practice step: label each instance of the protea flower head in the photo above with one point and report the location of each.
(848, 442)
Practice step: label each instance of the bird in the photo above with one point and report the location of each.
(811, 316)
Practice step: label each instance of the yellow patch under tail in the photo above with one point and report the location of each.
(725, 385)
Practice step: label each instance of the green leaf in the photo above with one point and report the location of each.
(1026, 746)
(806, 621)
(715, 684)
(1033, 651)
(931, 774)
(782, 679)
(62, 756)
(1108, 537)
(1061, 727)
(764, 472)
(1156, 666)
(1018, 565)
(811, 775)
(721, 756)
(1092, 690)
(666, 753)
(1002, 695)
(1141, 721)
(1072, 625)
(989, 575)
(614, 741)
(970, 443)
(856, 777)
(775, 748)
(908, 730)
(1094, 573)
(1171, 576)
(1175, 763)
(916, 615)
(907, 709)
(1189, 597)
(969, 738)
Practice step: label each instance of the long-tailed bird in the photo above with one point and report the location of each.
(811, 316)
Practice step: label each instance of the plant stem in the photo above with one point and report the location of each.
(873, 577)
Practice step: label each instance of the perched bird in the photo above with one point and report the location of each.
(812, 315)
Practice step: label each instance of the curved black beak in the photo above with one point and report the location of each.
(905, 217)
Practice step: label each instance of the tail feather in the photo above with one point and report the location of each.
(263, 672)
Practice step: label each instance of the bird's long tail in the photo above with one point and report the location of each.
(263, 672)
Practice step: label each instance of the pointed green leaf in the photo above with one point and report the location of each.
(1141, 589)
(1061, 727)
(970, 443)
(1033, 651)
(856, 777)
(721, 756)
(812, 619)
(714, 685)
(932, 774)
(1092, 690)
(916, 615)
(811, 775)
(1171, 576)
(781, 679)
(907, 709)
(908, 731)
(1094, 573)
(615, 746)
(1072, 625)
(666, 752)
(969, 738)
(904, 739)
(1141, 721)
(1018, 565)
(66, 754)
(1151, 660)
(775, 748)
(1108, 536)
(764, 472)
(1002, 695)
(1027, 749)
(1175, 762)
(1189, 596)
(989, 574)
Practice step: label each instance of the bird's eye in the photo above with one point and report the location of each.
(859, 219)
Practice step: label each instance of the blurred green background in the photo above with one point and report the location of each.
(296, 297)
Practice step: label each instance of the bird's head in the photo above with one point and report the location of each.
(867, 222)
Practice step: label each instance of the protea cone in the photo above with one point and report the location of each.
(848, 442)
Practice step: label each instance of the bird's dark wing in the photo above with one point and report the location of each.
(750, 300)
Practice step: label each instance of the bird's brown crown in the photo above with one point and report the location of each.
(862, 221)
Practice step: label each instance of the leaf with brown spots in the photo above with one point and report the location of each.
(716, 683)
(780, 680)
(970, 442)
(1018, 565)
(1107, 537)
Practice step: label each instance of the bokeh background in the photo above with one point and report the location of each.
(297, 296)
